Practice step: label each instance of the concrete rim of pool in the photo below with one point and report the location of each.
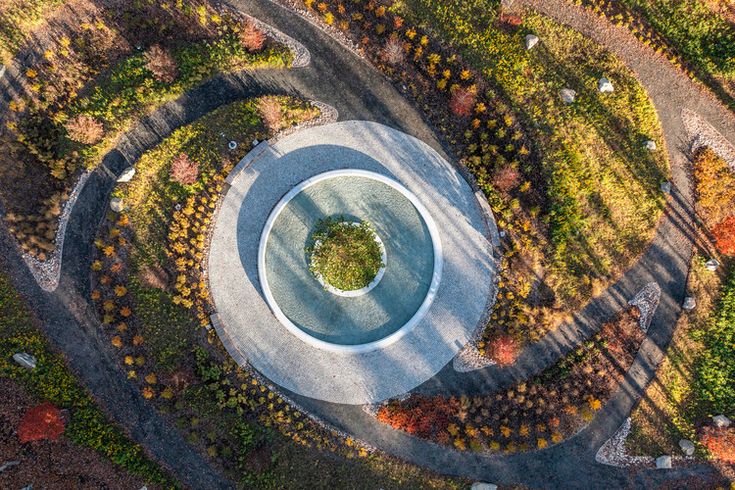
(255, 337)
(369, 346)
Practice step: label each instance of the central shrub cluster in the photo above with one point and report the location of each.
(345, 254)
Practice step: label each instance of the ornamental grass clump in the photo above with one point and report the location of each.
(344, 254)
(85, 129)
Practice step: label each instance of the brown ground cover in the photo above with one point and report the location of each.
(50, 464)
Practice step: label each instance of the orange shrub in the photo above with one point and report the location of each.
(724, 235)
(41, 422)
(715, 186)
(720, 442)
(503, 350)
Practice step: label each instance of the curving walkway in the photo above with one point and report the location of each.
(337, 77)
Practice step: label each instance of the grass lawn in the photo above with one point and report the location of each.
(694, 381)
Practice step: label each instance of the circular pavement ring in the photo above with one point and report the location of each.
(251, 331)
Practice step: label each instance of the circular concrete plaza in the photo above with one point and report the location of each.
(274, 314)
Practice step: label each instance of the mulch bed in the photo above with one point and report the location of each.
(50, 464)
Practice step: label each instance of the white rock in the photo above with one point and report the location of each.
(116, 204)
(26, 360)
(650, 145)
(568, 95)
(666, 187)
(605, 86)
(721, 421)
(126, 175)
(478, 485)
(689, 303)
(531, 41)
(712, 265)
(663, 463)
(686, 446)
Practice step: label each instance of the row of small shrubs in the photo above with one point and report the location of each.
(51, 381)
(533, 414)
(691, 35)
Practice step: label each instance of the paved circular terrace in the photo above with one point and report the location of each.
(252, 332)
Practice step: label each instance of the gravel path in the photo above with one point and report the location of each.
(357, 91)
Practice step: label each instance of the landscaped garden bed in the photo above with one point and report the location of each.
(695, 381)
(536, 413)
(86, 430)
(89, 85)
(579, 204)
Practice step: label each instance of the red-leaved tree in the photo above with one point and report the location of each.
(184, 170)
(503, 350)
(41, 422)
(724, 235)
(506, 178)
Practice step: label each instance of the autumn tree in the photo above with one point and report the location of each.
(252, 38)
(184, 170)
(724, 235)
(161, 64)
(84, 129)
(715, 187)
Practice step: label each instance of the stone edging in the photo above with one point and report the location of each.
(48, 272)
(704, 135)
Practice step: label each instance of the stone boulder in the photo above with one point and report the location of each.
(116, 204)
(126, 175)
(663, 463)
(26, 360)
(650, 145)
(568, 95)
(721, 421)
(712, 265)
(665, 187)
(689, 303)
(687, 447)
(531, 41)
(605, 86)
(483, 486)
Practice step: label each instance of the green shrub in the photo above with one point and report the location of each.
(715, 369)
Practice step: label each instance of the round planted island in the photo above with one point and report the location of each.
(329, 277)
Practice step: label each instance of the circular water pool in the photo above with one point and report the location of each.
(385, 312)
